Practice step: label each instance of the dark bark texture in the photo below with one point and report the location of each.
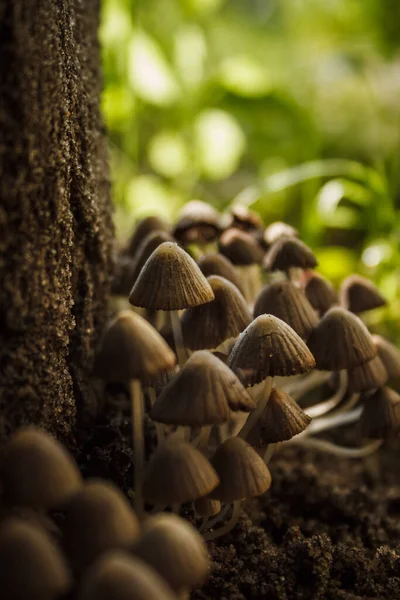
(55, 212)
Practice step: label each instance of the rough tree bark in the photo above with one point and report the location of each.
(55, 215)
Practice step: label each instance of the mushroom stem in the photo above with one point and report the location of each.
(159, 427)
(178, 337)
(211, 522)
(211, 535)
(323, 407)
(269, 452)
(325, 446)
(262, 403)
(138, 442)
(309, 382)
(330, 422)
(201, 441)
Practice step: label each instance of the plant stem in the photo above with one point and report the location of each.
(269, 452)
(138, 442)
(178, 337)
(159, 426)
(211, 535)
(262, 403)
(322, 424)
(309, 382)
(336, 450)
(323, 407)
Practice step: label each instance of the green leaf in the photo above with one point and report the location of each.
(244, 76)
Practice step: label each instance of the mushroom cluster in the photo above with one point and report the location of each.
(63, 537)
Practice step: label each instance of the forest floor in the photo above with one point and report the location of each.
(328, 528)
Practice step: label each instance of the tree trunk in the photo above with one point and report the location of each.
(55, 215)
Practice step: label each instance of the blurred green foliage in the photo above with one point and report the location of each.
(291, 106)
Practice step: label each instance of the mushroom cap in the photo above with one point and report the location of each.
(36, 471)
(209, 325)
(242, 472)
(178, 473)
(98, 518)
(320, 293)
(132, 349)
(31, 565)
(287, 302)
(119, 576)
(145, 250)
(380, 418)
(281, 420)
(287, 252)
(359, 294)
(198, 222)
(368, 376)
(217, 264)
(143, 228)
(240, 247)
(341, 341)
(244, 218)
(175, 549)
(269, 347)
(207, 507)
(389, 355)
(203, 392)
(170, 280)
(278, 229)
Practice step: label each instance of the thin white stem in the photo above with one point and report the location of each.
(178, 337)
(322, 424)
(204, 524)
(219, 517)
(329, 447)
(159, 426)
(257, 412)
(269, 452)
(201, 441)
(138, 443)
(211, 535)
(312, 380)
(323, 407)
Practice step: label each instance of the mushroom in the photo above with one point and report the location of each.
(289, 254)
(246, 254)
(175, 549)
(244, 218)
(98, 518)
(319, 292)
(177, 473)
(142, 229)
(389, 355)
(268, 348)
(287, 302)
(132, 350)
(219, 322)
(276, 230)
(380, 418)
(37, 472)
(198, 223)
(217, 264)
(242, 473)
(119, 576)
(31, 565)
(359, 294)
(202, 394)
(170, 280)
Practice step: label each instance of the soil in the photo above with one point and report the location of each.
(328, 528)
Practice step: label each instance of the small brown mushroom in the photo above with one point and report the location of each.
(380, 418)
(359, 294)
(320, 293)
(217, 264)
(389, 355)
(143, 228)
(287, 254)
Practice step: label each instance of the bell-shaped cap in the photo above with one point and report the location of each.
(240, 247)
(269, 347)
(287, 252)
(320, 293)
(244, 218)
(341, 341)
(143, 228)
(287, 302)
(359, 294)
(170, 280)
(203, 392)
(176, 550)
(132, 349)
(119, 576)
(198, 223)
(97, 519)
(281, 420)
(31, 566)
(242, 472)
(36, 471)
(209, 325)
(276, 230)
(389, 355)
(368, 376)
(380, 418)
(178, 473)
(145, 250)
(217, 264)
